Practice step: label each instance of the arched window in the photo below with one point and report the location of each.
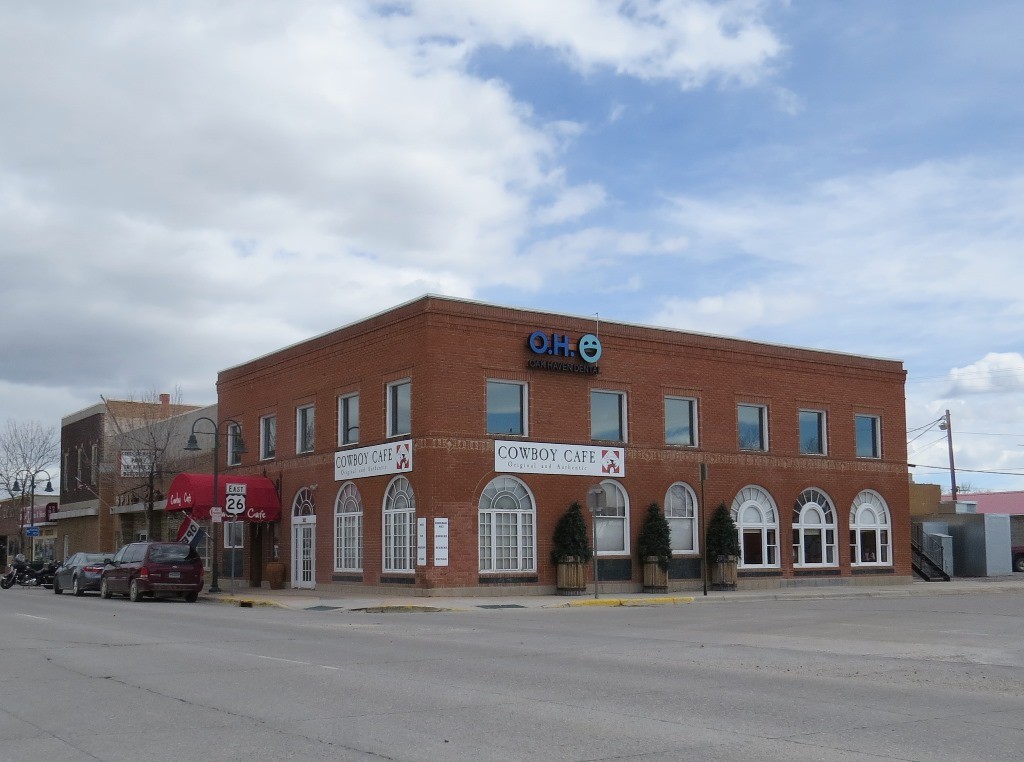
(681, 512)
(303, 504)
(348, 529)
(814, 530)
(757, 522)
(613, 520)
(399, 526)
(870, 531)
(508, 526)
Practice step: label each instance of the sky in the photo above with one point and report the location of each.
(187, 185)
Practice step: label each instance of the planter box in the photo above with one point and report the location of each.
(655, 580)
(275, 574)
(723, 574)
(571, 577)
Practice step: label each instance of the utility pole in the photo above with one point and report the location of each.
(948, 426)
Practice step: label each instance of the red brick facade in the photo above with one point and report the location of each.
(448, 349)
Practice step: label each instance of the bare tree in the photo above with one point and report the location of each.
(27, 450)
(145, 429)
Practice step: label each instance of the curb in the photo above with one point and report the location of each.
(665, 600)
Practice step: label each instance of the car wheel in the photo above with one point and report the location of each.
(56, 586)
(104, 588)
(75, 587)
(1018, 563)
(191, 597)
(134, 594)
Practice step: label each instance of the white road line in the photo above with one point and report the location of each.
(275, 658)
(32, 616)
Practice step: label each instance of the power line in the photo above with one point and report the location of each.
(945, 469)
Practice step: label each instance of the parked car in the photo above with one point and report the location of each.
(80, 572)
(145, 569)
(1018, 557)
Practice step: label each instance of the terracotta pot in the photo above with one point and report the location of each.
(275, 574)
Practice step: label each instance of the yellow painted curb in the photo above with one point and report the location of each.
(672, 599)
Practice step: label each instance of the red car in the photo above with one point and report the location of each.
(153, 568)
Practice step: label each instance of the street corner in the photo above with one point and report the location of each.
(664, 600)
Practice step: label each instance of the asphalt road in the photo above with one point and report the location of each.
(919, 678)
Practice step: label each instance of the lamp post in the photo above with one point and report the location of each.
(28, 484)
(193, 446)
(597, 500)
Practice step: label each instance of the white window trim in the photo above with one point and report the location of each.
(524, 401)
(234, 434)
(522, 568)
(263, 436)
(348, 489)
(764, 427)
(623, 414)
(298, 429)
(626, 552)
(389, 419)
(878, 436)
(693, 421)
(876, 502)
(824, 432)
(341, 420)
(827, 508)
(410, 518)
(752, 494)
(696, 518)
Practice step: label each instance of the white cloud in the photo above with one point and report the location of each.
(996, 372)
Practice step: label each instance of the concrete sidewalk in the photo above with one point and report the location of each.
(335, 599)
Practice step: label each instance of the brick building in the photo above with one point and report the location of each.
(434, 446)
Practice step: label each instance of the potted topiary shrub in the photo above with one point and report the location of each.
(722, 549)
(654, 548)
(570, 551)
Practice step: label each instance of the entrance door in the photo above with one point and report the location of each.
(304, 540)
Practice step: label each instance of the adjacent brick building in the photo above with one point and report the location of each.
(434, 447)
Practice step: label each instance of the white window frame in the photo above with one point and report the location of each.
(623, 414)
(302, 421)
(344, 420)
(392, 424)
(810, 504)
(754, 509)
(681, 510)
(524, 411)
(762, 423)
(236, 528)
(266, 453)
(399, 532)
(876, 436)
(234, 457)
(870, 513)
(613, 519)
(692, 402)
(822, 431)
(348, 529)
(506, 503)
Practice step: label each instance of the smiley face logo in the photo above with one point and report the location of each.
(589, 348)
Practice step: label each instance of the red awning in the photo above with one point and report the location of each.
(194, 493)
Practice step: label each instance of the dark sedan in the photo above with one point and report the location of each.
(80, 572)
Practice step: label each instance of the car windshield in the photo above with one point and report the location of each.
(169, 553)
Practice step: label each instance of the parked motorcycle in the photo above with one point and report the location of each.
(20, 573)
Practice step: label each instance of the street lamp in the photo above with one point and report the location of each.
(29, 482)
(193, 446)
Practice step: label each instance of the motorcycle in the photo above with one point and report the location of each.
(20, 573)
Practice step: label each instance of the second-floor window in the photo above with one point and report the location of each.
(869, 443)
(348, 419)
(506, 408)
(680, 421)
(304, 429)
(234, 435)
(812, 432)
(753, 427)
(268, 437)
(399, 408)
(608, 416)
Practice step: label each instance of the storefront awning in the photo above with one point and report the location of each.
(194, 493)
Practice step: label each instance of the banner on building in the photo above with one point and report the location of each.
(376, 460)
(546, 458)
(136, 463)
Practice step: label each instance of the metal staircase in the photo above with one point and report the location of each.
(926, 556)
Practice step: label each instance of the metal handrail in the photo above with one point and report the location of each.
(930, 545)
